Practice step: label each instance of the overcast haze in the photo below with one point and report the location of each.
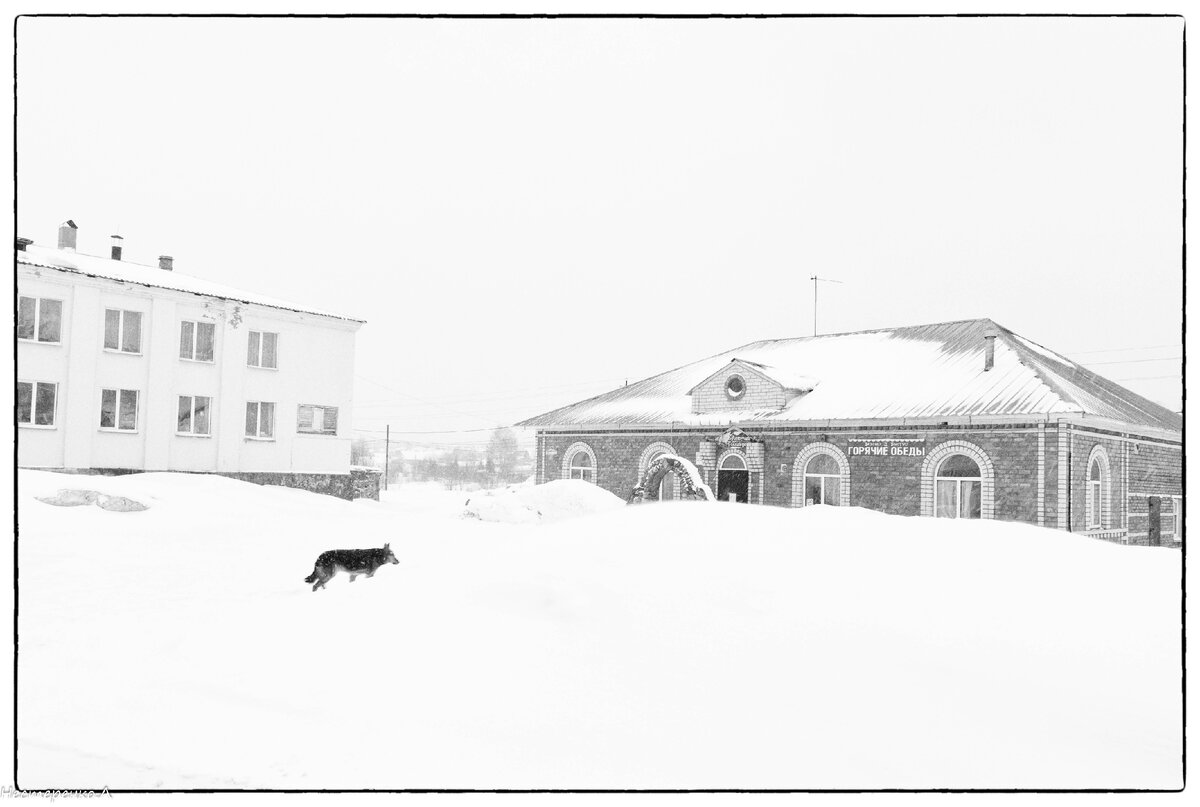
(528, 212)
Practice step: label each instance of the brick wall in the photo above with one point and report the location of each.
(893, 484)
(761, 392)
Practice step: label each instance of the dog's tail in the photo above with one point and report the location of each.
(315, 574)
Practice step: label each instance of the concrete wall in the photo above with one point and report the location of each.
(316, 366)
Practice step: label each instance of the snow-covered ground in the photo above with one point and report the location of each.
(673, 645)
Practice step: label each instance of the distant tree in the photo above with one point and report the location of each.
(395, 466)
(361, 452)
(502, 453)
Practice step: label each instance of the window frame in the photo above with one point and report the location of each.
(822, 477)
(121, 312)
(258, 421)
(33, 407)
(1095, 493)
(37, 320)
(137, 410)
(729, 391)
(192, 416)
(584, 471)
(196, 323)
(324, 409)
(938, 479)
(259, 354)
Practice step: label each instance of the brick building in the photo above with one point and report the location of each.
(959, 419)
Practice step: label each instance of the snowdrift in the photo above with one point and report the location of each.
(674, 645)
(553, 501)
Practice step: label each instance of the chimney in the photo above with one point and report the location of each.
(67, 231)
(989, 350)
(116, 247)
(22, 243)
(166, 263)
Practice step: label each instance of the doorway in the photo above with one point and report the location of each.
(733, 480)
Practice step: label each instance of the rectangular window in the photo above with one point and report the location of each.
(260, 420)
(35, 403)
(261, 349)
(123, 330)
(193, 414)
(39, 320)
(196, 340)
(317, 419)
(119, 409)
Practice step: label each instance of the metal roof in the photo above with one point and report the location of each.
(142, 275)
(909, 373)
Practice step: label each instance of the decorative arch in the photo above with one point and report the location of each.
(648, 455)
(1099, 455)
(801, 463)
(687, 479)
(987, 474)
(569, 454)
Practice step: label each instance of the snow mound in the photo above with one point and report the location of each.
(553, 501)
(75, 498)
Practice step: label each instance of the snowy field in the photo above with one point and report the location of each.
(677, 645)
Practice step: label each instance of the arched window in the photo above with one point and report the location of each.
(581, 467)
(1097, 487)
(958, 487)
(579, 462)
(821, 475)
(822, 481)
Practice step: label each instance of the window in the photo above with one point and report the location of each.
(193, 415)
(822, 481)
(39, 320)
(35, 403)
(958, 484)
(260, 420)
(262, 350)
(1095, 495)
(119, 409)
(123, 330)
(735, 387)
(732, 462)
(581, 467)
(196, 340)
(317, 419)
(1177, 514)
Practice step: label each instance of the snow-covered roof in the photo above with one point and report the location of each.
(142, 275)
(909, 373)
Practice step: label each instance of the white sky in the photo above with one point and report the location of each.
(528, 212)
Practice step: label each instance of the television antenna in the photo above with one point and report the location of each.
(815, 281)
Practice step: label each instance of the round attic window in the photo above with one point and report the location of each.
(735, 387)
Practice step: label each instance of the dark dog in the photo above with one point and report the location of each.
(351, 561)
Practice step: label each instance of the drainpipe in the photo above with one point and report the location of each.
(1070, 478)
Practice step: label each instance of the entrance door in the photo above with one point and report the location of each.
(733, 480)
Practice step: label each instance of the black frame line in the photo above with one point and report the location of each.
(621, 16)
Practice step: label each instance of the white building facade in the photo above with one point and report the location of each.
(128, 367)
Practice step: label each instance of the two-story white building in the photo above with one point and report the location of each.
(122, 366)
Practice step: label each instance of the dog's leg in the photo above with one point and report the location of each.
(352, 577)
(371, 573)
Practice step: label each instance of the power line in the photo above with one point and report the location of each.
(1116, 349)
(1133, 361)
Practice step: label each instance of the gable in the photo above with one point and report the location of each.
(739, 385)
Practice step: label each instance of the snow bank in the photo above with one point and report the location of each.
(552, 501)
(666, 646)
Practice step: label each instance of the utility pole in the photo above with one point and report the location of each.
(815, 279)
(387, 453)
